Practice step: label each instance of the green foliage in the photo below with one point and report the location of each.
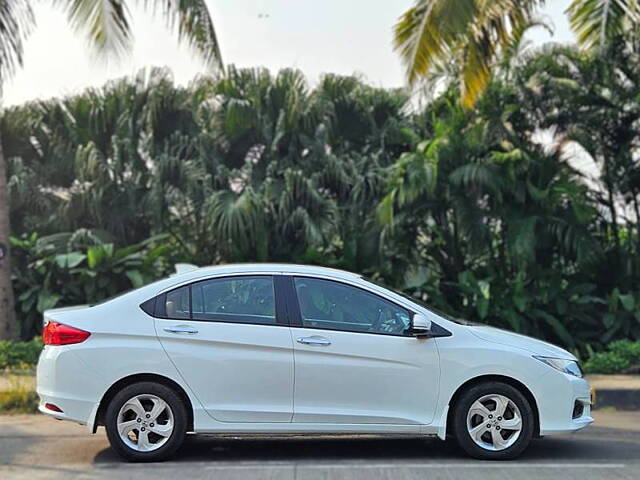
(463, 209)
(19, 355)
(71, 268)
(620, 355)
(627, 350)
(605, 362)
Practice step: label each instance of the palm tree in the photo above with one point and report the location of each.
(249, 166)
(479, 208)
(476, 33)
(106, 24)
(590, 100)
(270, 163)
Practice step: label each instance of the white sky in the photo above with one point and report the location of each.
(317, 36)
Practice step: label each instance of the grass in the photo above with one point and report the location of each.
(607, 410)
(17, 394)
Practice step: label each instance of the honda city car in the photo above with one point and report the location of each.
(291, 349)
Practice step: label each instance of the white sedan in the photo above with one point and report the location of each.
(267, 348)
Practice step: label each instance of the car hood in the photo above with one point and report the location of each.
(504, 337)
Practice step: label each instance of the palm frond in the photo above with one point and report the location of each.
(518, 48)
(473, 31)
(194, 25)
(16, 21)
(597, 21)
(425, 32)
(304, 212)
(235, 218)
(105, 23)
(477, 175)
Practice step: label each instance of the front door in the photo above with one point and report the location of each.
(355, 361)
(231, 347)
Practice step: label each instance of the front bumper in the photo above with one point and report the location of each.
(564, 403)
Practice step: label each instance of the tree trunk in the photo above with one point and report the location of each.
(636, 208)
(612, 210)
(7, 303)
(614, 218)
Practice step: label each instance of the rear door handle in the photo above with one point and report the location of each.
(314, 340)
(181, 330)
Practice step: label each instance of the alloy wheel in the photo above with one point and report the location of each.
(494, 422)
(145, 422)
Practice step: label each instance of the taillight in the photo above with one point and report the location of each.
(55, 333)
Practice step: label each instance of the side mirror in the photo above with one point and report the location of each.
(420, 325)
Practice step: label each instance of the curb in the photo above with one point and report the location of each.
(618, 398)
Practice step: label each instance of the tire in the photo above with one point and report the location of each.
(150, 407)
(491, 433)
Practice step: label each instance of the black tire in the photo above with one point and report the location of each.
(476, 392)
(180, 419)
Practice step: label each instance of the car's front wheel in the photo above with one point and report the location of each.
(493, 421)
(146, 422)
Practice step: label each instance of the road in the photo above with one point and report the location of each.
(34, 447)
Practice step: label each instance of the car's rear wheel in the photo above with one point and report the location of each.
(493, 421)
(146, 422)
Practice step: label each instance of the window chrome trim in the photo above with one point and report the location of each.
(259, 273)
(277, 321)
(354, 281)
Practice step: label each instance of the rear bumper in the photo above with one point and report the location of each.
(77, 411)
(64, 381)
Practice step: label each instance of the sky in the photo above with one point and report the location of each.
(316, 36)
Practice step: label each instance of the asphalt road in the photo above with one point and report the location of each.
(34, 447)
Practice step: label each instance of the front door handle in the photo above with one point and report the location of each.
(181, 330)
(314, 340)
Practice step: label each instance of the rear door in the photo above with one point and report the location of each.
(231, 345)
(355, 360)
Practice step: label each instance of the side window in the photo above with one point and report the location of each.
(336, 306)
(235, 299)
(176, 303)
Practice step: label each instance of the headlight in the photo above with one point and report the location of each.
(566, 366)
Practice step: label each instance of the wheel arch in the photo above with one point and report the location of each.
(141, 377)
(521, 387)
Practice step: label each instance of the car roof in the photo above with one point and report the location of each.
(272, 267)
(202, 273)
